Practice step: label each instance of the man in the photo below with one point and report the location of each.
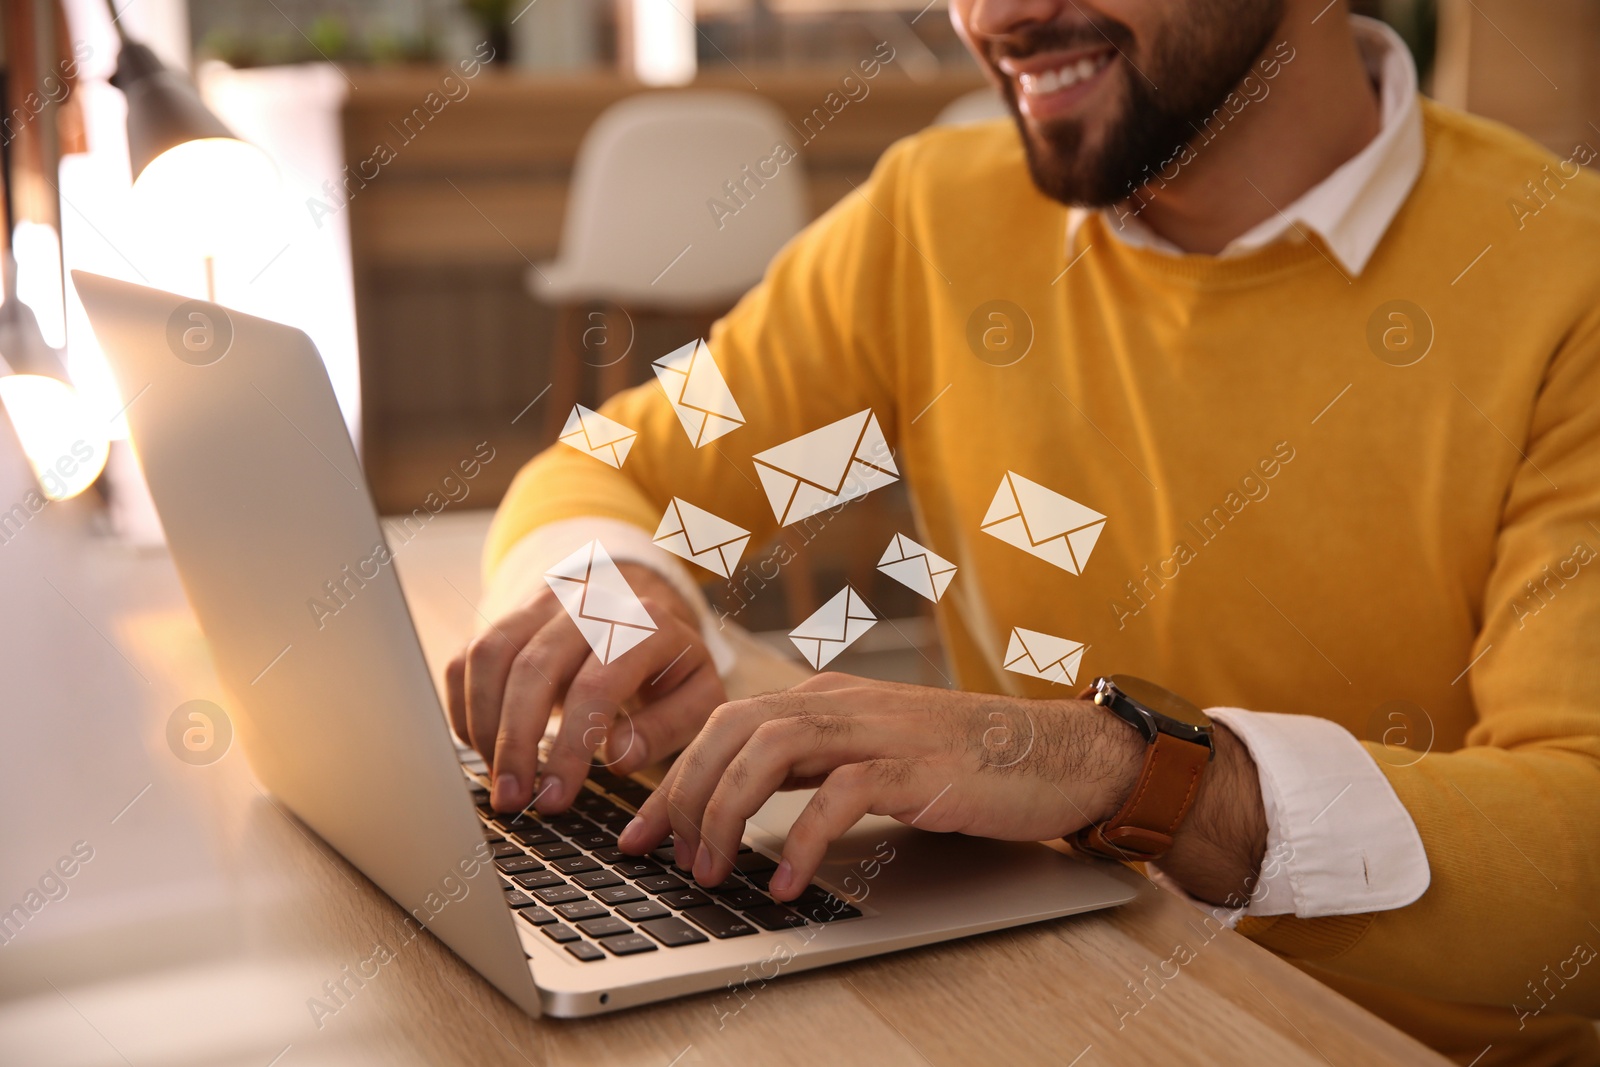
(1325, 357)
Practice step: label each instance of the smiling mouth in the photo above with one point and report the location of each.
(1065, 76)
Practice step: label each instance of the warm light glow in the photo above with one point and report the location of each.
(65, 443)
(664, 41)
(207, 198)
(38, 253)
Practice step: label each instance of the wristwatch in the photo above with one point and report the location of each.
(1179, 738)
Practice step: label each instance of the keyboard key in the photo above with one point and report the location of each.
(588, 801)
(719, 922)
(644, 909)
(628, 945)
(505, 850)
(571, 824)
(827, 913)
(560, 933)
(516, 898)
(559, 894)
(618, 894)
(632, 793)
(615, 820)
(605, 926)
(595, 879)
(539, 880)
(633, 867)
(594, 839)
(610, 855)
(575, 865)
(665, 855)
(672, 932)
(751, 862)
(520, 864)
(555, 850)
(537, 836)
(746, 899)
(536, 916)
(773, 917)
(660, 883)
(580, 909)
(685, 898)
(585, 951)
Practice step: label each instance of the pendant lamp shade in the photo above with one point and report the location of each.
(164, 108)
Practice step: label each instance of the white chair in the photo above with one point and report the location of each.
(980, 105)
(652, 225)
(645, 177)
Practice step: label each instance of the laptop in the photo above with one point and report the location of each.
(258, 487)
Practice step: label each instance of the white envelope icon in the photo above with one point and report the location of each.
(833, 628)
(1055, 659)
(595, 435)
(918, 569)
(698, 536)
(600, 601)
(1043, 523)
(698, 393)
(818, 470)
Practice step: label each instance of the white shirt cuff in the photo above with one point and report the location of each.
(1339, 842)
(520, 575)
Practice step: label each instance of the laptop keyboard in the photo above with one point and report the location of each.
(564, 875)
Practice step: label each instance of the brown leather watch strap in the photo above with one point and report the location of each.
(1144, 828)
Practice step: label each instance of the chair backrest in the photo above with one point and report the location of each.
(980, 105)
(679, 199)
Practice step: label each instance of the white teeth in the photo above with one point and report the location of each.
(1052, 80)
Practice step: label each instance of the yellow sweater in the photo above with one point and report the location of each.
(1293, 523)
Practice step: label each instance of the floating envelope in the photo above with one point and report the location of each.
(816, 471)
(1043, 523)
(600, 601)
(698, 393)
(595, 435)
(1055, 659)
(698, 536)
(917, 568)
(833, 628)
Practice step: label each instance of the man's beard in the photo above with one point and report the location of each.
(1196, 60)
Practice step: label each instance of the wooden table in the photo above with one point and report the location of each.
(1048, 993)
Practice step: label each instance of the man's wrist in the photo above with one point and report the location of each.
(1216, 854)
(1119, 755)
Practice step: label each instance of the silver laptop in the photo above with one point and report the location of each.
(259, 489)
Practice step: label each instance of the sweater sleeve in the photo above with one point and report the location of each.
(806, 347)
(1511, 821)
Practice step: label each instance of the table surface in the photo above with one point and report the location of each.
(236, 991)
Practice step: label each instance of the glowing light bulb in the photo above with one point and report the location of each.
(205, 199)
(65, 443)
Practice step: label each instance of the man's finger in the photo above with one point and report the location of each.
(781, 750)
(667, 724)
(876, 787)
(702, 765)
(489, 659)
(538, 674)
(455, 688)
(593, 703)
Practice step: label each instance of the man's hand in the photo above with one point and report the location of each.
(975, 763)
(504, 685)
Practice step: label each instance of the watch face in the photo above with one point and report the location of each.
(1160, 701)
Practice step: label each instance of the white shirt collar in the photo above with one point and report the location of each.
(1351, 208)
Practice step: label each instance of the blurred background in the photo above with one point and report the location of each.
(485, 211)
